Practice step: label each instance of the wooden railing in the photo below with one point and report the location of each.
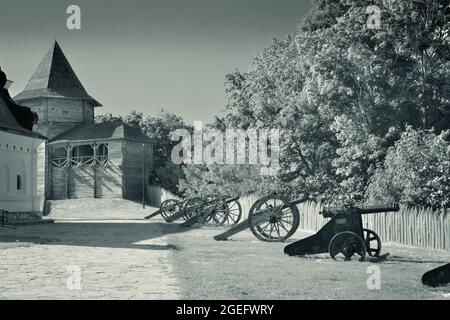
(80, 161)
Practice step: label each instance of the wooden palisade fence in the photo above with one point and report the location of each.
(418, 227)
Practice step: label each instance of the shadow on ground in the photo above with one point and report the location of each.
(88, 234)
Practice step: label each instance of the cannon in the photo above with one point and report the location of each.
(271, 219)
(438, 277)
(167, 209)
(343, 234)
(217, 210)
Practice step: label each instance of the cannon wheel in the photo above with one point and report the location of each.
(219, 210)
(347, 243)
(169, 208)
(193, 207)
(234, 213)
(373, 243)
(283, 221)
(220, 215)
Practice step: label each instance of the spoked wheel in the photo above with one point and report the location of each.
(193, 207)
(347, 243)
(234, 213)
(169, 208)
(214, 211)
(273, 219)
(373, 243)
(219, 214)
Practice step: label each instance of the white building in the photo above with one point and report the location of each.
(22, 159)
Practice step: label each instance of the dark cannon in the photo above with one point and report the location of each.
(216, 210)
(213, 210)
(438, 277)
(343, 234)
(168, 208)
(272, 219)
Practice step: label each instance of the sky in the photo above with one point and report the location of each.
(146, 55)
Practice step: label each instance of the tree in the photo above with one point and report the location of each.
(416, 171)
(341, 92)
(107, 117)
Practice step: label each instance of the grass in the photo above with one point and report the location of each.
(245, 268)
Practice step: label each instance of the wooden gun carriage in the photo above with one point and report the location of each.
(343, 235)
(271, 219)
(218, 210)
(276, 219)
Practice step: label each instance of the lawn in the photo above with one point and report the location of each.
(245, 268)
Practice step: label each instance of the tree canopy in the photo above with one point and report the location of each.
(343, 94)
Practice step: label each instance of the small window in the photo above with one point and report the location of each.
(19, 182)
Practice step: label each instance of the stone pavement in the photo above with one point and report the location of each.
(120, 259)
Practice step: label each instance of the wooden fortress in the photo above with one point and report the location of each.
(84, 159)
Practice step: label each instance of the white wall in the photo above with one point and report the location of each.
(19, 156)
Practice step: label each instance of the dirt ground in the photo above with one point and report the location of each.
(138, 259)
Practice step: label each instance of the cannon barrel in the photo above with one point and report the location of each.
(330, 212)
(376, 209)
(229, 200)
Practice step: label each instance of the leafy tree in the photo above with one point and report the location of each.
(107, 117)
(416, 171)
(341, 93)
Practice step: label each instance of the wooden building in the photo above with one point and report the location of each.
(84, 159)
(22, 159)
(106, 160)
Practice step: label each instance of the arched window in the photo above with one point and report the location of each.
(19, 182)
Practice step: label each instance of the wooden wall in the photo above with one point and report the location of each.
(87, 181)
(62, 113)
(132, 169)
(109, 180)
(58, 183)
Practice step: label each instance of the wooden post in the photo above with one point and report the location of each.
(143, 176)
(94, 165)
(68, 150)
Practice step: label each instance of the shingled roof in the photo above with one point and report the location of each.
(8, 121)
(55, 78)
(8, 108)
(102, 131)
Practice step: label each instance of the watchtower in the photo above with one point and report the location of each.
(56, 94)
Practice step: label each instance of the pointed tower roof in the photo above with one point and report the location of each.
(55, 78)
